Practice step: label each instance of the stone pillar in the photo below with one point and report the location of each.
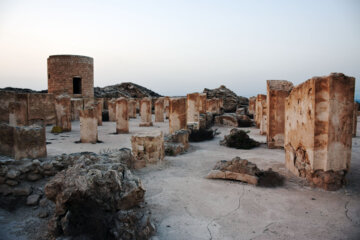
(252, 102)
(132, 108)
(77, 104)
(29, 142)
(112, 110)
(122, 116)
(99, 108)
(213, 105)
(356, 107)
(159, 110)
(192, 110)
(18, 114)
(145, 112)
(202, 103)
(147, 148)
(177, 114)
(277, 92)
(63, 112)
(259, 102)
(88, 125)
(263, 120)
(166, 106)
(318, 129)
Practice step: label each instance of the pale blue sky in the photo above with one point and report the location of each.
(176, 47)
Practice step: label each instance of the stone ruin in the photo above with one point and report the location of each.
(88, 125)
(63, 112)
(238, 139)
(177, 114)
(176, 143)
(145, 113)
(132, 108)
(122, 116)
(318, 130)
(277, 91)
(260, 104)
(159, 110)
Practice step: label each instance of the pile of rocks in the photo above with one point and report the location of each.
(238, 139)
(126, 89)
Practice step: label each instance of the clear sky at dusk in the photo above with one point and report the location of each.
(177, 47)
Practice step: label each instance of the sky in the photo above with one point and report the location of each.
(178, 47)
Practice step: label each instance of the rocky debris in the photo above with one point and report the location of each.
(245, 171)
(238, 139)
(93, 198)
(126, 89)
(234, 120)
(206, 121)
(244, 120)
(176, 143)
(202, 135)
(21, 90)
(33, 200)
(230, 99)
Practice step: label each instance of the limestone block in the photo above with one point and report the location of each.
(177, 114)
(159, 110)
(147, 147)
(277, 91)
(88, 125)
(318, 129)
(63, 112)
(122, 116)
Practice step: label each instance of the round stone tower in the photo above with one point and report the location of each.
(71, 74)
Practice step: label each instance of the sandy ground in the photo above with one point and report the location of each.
(186, 205)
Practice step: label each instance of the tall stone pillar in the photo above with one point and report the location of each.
(177, 114)
(122, 116)
(112, 110)
(166, 106)
(99, 108)
(318, 129)
(63, 112)
(88, 125)
(202, 103)
(259, 103)
(159, 110)
(77, 104)
(252, 102)
(356, 107)
(192, 110)
(132, 108)
(277, 92)
(145, 112)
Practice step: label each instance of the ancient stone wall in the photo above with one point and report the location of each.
(88, 125)
(122, 116)
(159, 110)
(18, 114)
(63, 112)
(62, 69)
(277, 91)
(5, 99)
(318, 129)
(177, 114)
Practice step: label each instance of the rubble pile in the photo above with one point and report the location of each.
(238, 139)
(126, 89)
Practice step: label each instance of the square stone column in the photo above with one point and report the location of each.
(192, 107)
(213, 105)
(259, 102)
(159, 110)
(98, 104)
(88, 125)
(147, 148)
(202, 103)
(177, 114)
(318, 129)
(252, 102)
(166, 106)
(63, 112)
(77, 104)
(112, 110)
(277, 91)
(263, 120)
(29, 142)
(18, 114)
(132, 108)
(122, 116)
(145, 112)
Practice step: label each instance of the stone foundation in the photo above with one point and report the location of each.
(177, 114)
(63, 112)
(147, 148)
(318, 130)
(88, 125)
(145, 112)
(277, 91)
(122, 116)
(159, 110)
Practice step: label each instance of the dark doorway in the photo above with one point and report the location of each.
(77, 85)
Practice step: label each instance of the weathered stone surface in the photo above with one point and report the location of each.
(263, 119)
(259, 103)
(147, 147)
(126, 89)
(318, 129)
(98, 199)
(213, 106)
(132, 108)
(145, 112)
(356, 107)
(227, 119)
(277, 91)
(122, 116)
(252, 103)
(202, 103)
(177, 114)
(166, 106)
(33, 200)
(176, 143)
(99, 104)
(6, 139)
(77, 104)
(111, 104)
(18, 114)
(230, 99)
(41, 107)
(63, 112)
(244, 120)
(192, 108)
(159, 110)
(238, 139)
(29, 142)
(6, 97)
(88, 125)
